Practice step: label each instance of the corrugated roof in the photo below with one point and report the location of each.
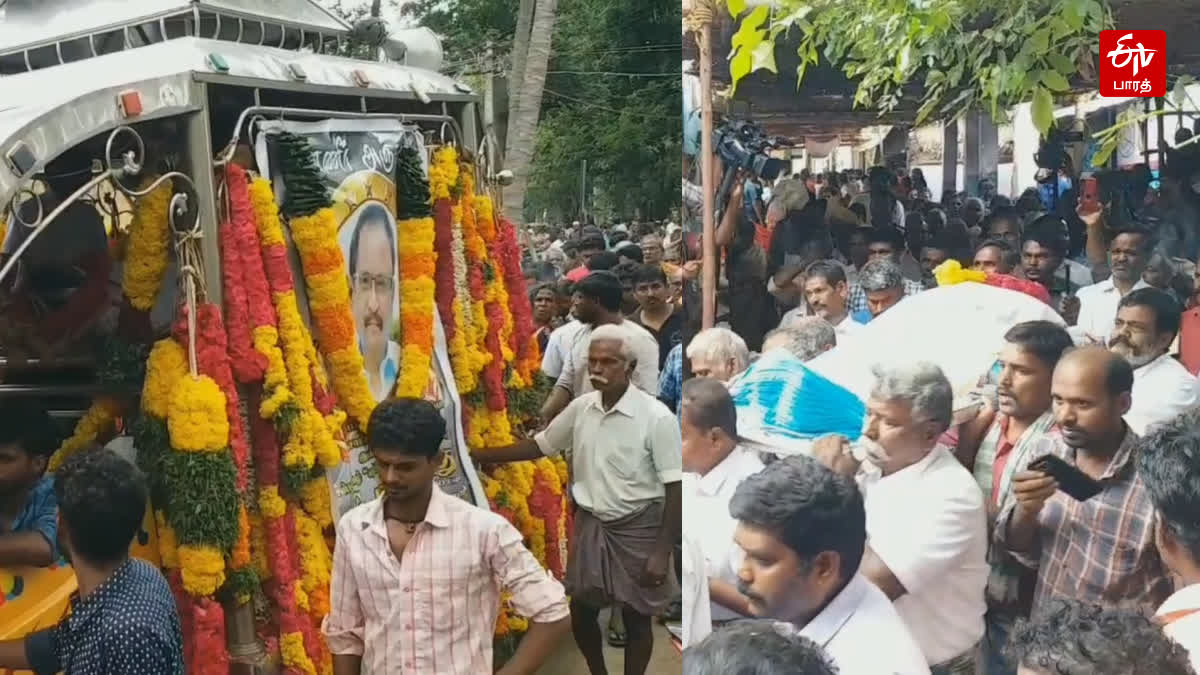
(29, 24)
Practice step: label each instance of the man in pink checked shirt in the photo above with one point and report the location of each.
(417, 573)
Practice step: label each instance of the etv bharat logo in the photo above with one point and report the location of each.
(1133, 63)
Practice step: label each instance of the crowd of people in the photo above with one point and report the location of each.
(1051, 530)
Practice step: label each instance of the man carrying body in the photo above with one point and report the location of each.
(1146, 324)
(926, 519)
(715, 466)
(804, 533)
(804, 338)
(996, 257)
(372, 265)
(883, 245)
(466, 555)
(994, 445)
(1101, 550)
(880, 286)
(624, 448)
(29, 519)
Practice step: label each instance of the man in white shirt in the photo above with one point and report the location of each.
(1129, 254)
(718, 353)
(805, 338)
(1169, 464)
(803, 530)
(1146, 324)
(827, 291)
(558, 347)
(926, 518)
(597, 302)
(697, 609)
(625, 464)
(714, 466)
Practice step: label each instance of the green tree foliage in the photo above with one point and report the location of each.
(628, 128)
(953, 54)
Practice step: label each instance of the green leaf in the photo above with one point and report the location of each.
(736, 7)
(1054, 81)
(1072, 17)
(1104, 152)
(1042, 110)
(1061, 62)
(1040, 41)
(1060, 28)
(741, 64)
(763, 57)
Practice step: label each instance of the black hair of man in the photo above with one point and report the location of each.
(708, 405)
(102, 500)
(648, 274)
(593, 242)
(1118, 374)
(410, 426)
(808, 507)
(859, 209)
(1045, 340)
(373, 215)
(756, 647)
(942, 241)
(999, 244)
(632, 252)
(604, 260)
(886, 235)
(604, 288)
(1167, 311)
(1003, 214)
(29, 427)
(1168, 461)
(1147, 238)
(1074, 638)
(617, 237)
(1048, 231)
(829, 270)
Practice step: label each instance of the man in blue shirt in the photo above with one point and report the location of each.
(28, 509)
(123, 619)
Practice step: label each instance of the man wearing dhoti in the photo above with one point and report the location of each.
(623, 446)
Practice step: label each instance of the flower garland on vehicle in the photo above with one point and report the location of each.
(147, 254)
(528, 356)
(451, 278)
(415, 233)
(281, 558)
(244, 237)
(99, 420)
(212, 361)
(314, 231)
(309, 435)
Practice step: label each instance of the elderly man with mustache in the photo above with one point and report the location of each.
(925, 517)
(624, 448)
(1146, 325)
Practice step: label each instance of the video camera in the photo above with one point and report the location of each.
(743, 145)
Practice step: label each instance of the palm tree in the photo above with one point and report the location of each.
(518, 154)
(520, 53)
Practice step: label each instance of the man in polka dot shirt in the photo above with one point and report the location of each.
(123, 620)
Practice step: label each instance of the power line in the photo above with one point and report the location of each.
(614, 111)
(606, 72)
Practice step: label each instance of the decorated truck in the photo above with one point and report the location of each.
(222, 244)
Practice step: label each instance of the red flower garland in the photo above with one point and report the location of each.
(493, 374)
(443, 246)
(248, 365)
(208, 638)
(212, 359)
(261, 311)
(277, 531)
(549, 507)
(508, 253)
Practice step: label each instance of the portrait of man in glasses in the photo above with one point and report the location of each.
(373, 287)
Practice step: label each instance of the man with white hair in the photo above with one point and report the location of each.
(626, 466)
(805, 337)
(926, 520)
(718, 353)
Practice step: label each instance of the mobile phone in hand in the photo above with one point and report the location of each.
(1075, 483)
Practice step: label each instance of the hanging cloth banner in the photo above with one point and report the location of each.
(357, 158)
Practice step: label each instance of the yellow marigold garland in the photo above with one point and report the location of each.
(315, 563)
(417, 261)
(99, 419)
(147, 255)
(196, 416)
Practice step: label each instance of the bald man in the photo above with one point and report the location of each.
(1100, 551)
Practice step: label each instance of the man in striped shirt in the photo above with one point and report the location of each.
(1100, 550)
(417, 573)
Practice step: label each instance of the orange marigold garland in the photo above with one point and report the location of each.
(418, 265)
